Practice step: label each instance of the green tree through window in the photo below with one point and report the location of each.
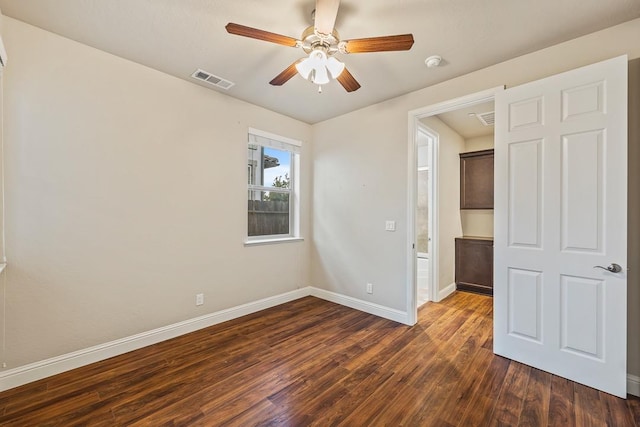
(279, 182)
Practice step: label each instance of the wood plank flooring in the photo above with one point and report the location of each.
(314, 363)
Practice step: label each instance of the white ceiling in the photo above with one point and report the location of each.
(464, 122)
(177, 37)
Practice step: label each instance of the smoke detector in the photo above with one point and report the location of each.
(433, 61)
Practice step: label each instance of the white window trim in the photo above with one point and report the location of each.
(274, 137)
(275, 141)
(258, 242)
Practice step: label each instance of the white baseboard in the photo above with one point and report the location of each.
(442, 294)
(66, 362)
(633, 385)
(45, 368)
(367, 307)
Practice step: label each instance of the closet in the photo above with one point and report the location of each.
(474, 254)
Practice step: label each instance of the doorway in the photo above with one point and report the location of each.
(427, 140)
(445, 216)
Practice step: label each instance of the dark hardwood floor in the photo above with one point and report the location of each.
(311, 362)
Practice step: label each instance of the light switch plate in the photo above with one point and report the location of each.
(390, 226)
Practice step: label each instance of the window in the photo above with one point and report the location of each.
(273, 199)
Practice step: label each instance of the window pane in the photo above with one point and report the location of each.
(422, 213)
(268, 213)
(269, 167)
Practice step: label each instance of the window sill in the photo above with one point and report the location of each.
(258, 242)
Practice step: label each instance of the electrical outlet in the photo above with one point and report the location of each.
(199, 299)
(369, 288)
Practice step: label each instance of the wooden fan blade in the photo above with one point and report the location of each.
(254, 33)
(379, 44)
(285, 75)
(326, 13)
(348, 82)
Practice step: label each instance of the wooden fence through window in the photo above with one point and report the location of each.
(268, 217)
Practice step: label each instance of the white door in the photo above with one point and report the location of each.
(560, 211)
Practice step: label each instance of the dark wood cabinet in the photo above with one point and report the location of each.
(474, 264)
(476, 180)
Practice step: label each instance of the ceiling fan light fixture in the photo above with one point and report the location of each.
(314, 67)
(317, 67)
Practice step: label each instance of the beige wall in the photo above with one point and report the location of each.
(382, 130)
(125, 193)
(479, 143)
(633, 231)
(1, 173)
(2, 251)
(450, 145)
(357, 187)
(477, 222)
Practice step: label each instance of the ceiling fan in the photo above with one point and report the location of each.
(321, 42)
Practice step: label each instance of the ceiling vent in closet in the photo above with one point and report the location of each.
(212, 79)
(487, 119)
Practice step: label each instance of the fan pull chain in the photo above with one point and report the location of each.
(319, 89)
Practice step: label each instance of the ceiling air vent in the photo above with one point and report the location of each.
(211, 79)
(487, 119)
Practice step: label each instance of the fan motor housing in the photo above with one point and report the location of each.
(311, 40)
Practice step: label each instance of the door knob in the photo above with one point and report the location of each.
(613, 268)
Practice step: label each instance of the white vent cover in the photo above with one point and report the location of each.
(211, 79)
(487, 119)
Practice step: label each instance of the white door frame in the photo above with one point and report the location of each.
(414, 124)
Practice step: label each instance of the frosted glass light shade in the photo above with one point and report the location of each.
(304, 68)
(335, 67)
(307, 65)
(320, 76)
